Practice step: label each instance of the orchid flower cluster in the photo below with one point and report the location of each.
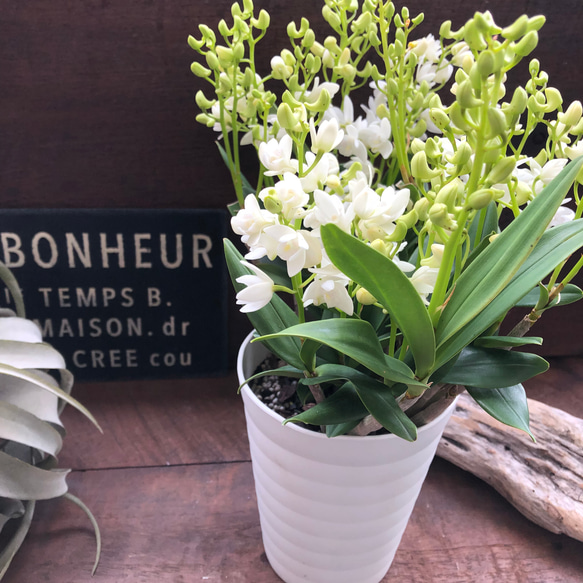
(420, 172)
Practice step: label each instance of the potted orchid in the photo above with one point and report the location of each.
(401, 231)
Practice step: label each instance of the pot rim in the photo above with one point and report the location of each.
(302, 430)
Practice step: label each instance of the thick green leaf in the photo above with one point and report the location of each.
(486, 277)
(276, 316)
(508, 405)
(390, 286)
(492, 368)
(282, 371)
(308, 353)
(382, 406)
(357, 340)
(488, 218)
(556, 245)
(570, 294)
(342, 406)
(341, 428)
(506, 341)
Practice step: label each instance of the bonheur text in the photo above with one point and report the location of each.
(107, 250)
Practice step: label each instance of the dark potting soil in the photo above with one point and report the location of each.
(277, 392)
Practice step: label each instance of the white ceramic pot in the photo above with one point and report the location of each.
(331, 510)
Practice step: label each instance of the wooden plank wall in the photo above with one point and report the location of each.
(97, 107)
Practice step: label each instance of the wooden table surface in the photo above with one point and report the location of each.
(170, 483)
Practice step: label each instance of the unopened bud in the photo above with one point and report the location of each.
(439, 118)
(480, 199)
(420, 169)
(205, 119)
(202, 101)
(502, 170)
(554, 99)
(422, 208)
(497, 122)
(485, 64)
(526, 44)
(461, 155)
(439, 215)
(199, 70)
(286, 117)
(365, 297)
(465, 96)
(272, 204)
(399, 233)
(523, 193)
(448, 195)
(573, 114)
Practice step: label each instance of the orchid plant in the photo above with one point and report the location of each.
(387, 218)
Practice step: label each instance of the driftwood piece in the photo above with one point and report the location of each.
(543, 480)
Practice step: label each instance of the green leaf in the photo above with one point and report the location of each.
(488, 217)
(308, 353)
(382, 406)
(276, 316)
(341, 428)
(485, 278)
(390, 286)
(493, 368)
(357, 340)
(570, 294)
(556, 245)
(282, 371)
(508, 405)
(247, 188)
(342, 406)
(506, 341)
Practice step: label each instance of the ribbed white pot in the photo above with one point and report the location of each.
(331, 510)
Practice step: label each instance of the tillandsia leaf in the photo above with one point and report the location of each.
(508, 405)
(492, 368)
(570, 294)
(554, 247)
(507, 341)
(22, 481)
(96, 530)
(342, 406)
(276, 316)
(39, 381)
(17, 538)
(10, 282)
(390, 286)
(19, 425)
(30, 355)
(20, 329)
(357, 340)
(485, 278)
(28, 396)
(282, 371)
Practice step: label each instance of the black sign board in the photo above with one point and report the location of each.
(123, 294)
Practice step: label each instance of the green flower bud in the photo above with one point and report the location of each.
(199, 70)
(462, 155)
(541, 158)
(212, 61)
(445, 29)
(322, 103)
(331, 17)
(519, 100)
(417, 145)
(272, 204)
(421, 207)
(578, 129)
(439, 117)
(486, 64)
(248, 6)
(195, 44)
(202, 101)
(473, 36)
(225, 55)
(517, 29)
(309, 39)
(527, 44)
(205, 119)
(418, 129)
(224, 29)
(439, 215)
(432, 148)
(208, 35)
(365, 297)
(480, 199)
(285, 116)
(496, 122)
(502, 170)
(263, 21)
(536, 22)
(465, 96)
(399, 233)
(449, 194)
(238, 51)
(293, 32)
(554, 99)
(573, 114)
(420, 169)
(409, 219)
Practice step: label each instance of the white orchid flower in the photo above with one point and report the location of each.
(318, 175)
(331, 292)
(424, 280)
(563, 215)
(326, 137)
(258, 291)
(290, 194)
(276, 156)
(329, 208)
(250, 221)
(299, 249)
(377, 138)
